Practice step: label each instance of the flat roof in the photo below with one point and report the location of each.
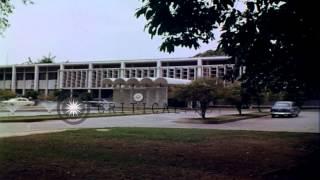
(120, 61)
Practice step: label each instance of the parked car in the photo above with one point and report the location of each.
(285, 108)
(20, 101)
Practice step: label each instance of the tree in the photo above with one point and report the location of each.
(6, 8)
(61, 95)
(235, 95)
(203, 90)
(32, 94)
(6, 94)
(208, 53)
(46, 59)
(276, 40)
(85, 96)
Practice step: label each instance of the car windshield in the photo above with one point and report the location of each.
(282, 104)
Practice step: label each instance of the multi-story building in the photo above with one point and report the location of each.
(101, 78)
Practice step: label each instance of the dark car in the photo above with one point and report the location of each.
(285, 108)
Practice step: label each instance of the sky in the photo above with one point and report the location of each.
(81, 30)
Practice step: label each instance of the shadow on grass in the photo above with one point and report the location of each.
(227, 118)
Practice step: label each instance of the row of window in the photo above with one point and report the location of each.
(42, 76)
(75, 78)
(30, 76)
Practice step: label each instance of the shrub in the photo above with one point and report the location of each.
(32, 94)
(6, 94)
(85, 96)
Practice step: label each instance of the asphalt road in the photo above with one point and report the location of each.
(308, 121)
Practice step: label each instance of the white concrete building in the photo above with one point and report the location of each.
(102, 77)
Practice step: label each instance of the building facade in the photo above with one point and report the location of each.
(104, 78)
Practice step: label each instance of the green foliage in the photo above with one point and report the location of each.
(6, 94)
(32, 94)
(184, 23)
(6, 8)
(298, 97)
(46, 59)
(47, 98)
(275, 40)
(61, 95)
(85, 96)
(233, 94)
(204, 91)
(209, 53)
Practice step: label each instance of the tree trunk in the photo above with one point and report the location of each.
(203, 114)
(259, 103)
(239, 109)
(203, 107)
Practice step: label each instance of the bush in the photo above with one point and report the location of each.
(47, 98)
(85, 96)
(32, 94)
(61, 95)
(6, 94)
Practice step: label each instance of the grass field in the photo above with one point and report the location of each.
(153, 153)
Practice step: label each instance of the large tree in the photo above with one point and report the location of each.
(6, 8)
(203, 91)
(276, 40)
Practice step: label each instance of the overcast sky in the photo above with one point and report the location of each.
(81, 30)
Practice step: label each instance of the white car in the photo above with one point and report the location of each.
(19, 101)
(285, 108)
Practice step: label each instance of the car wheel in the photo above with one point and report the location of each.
(273, 116)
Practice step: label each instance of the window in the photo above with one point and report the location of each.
(42, 76)
(152, 74)
(20, 76)
(29, 76)
(52, 76)
(8, 76)
(164, 73)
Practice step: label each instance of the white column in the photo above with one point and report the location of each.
(188, 73)
(122, 69)
(199, 69)
(24, 82)
(61, 78)
(158, 70)
(90, 77)
(13, 79)
(47, 83)
(36, 78)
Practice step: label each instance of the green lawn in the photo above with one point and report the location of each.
(145, 153)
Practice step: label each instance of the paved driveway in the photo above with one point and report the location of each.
(308, 121)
